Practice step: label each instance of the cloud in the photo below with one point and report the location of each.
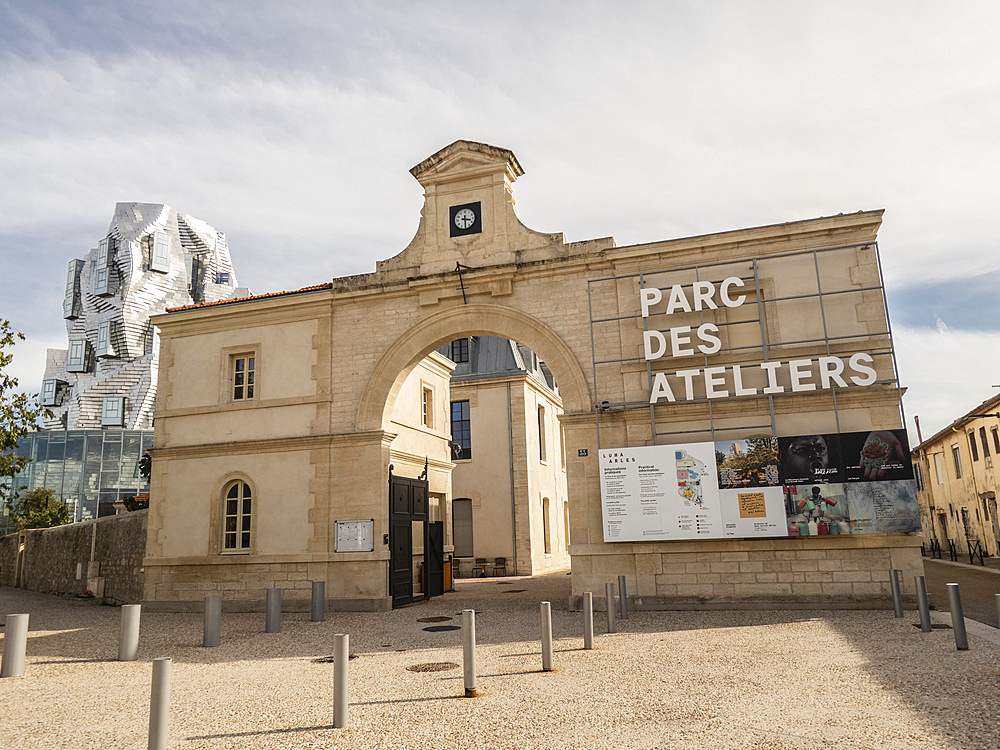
(946, 372)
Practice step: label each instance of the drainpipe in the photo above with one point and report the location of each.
(510, 462)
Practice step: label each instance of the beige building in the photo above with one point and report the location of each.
(772, 331)
(958, 479)
(510, 508)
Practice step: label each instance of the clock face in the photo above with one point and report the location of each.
(466, 219)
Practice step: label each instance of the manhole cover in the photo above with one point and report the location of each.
(433, 666)
(935, 626)
(332, 659)
(442, 628)
(515, 591)
(433, 619)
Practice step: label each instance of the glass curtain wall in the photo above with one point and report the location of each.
(89, 470)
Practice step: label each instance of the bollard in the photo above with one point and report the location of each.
(159, 704)
(14, 643)
(622, 598)
(546, 637)
(213, 622)
(998, 608)
(272, 611)
(469, 650)
(925, 613)
(609, 594)
(341, 659)
(128, 636)
(588, 620)
(318, 613)
(957, 618)
(897, 596)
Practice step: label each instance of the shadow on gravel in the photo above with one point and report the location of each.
(260, 733)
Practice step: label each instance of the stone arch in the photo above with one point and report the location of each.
(391, 370)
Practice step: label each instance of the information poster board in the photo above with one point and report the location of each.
(355, 536)
(812, 485)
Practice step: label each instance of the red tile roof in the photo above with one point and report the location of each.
(315, 288)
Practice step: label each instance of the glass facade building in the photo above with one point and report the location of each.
(89, 470)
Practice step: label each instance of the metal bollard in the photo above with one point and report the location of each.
(925, 613)
(897, 596)
(128, 636)
(272, 611)
(622, 598)
(588, 620)
(341, 659)
(469, 650)
(159, 704)
(546, 637)
(609, 594)
(957, 618)
(213, 622)
(318, 613)
(14, 644)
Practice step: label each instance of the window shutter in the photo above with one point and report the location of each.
(72, 303)
(161, 252)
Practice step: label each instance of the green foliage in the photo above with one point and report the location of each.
(18, 412)
(145, 467)
(132, 503)
(39, 509)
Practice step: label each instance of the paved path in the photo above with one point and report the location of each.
(736, 679)
(978, 586)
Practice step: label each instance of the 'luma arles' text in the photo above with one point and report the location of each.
(722, 382)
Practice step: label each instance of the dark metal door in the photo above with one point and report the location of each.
(434, 555)
(407, 503)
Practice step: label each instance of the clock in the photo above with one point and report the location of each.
(465, 219)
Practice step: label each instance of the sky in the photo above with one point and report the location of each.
(292, 126)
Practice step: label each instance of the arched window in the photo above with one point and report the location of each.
(236, 519)
(546, 528)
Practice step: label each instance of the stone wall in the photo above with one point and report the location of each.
(103, 556)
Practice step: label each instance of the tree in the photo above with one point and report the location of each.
(18, 412)
(39, 509)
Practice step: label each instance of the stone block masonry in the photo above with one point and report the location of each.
(103, 556)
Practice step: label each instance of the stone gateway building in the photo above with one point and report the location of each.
(278, 459)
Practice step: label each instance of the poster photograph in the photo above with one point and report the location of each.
(810, 459)
(748, 462)
(879, 455)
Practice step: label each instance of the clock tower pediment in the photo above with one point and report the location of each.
(468, 215)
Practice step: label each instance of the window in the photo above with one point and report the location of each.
(541, 433)
(982, 439)
(996, 440)
(78, 357)
(72, 302)
(918, 475)
(236, 521)
(461, 516)
(113, 412)
(461, 430)
(938, 471)
(972, 446)
(546, 526)
(102, 283)
(427, 407)
(104, 348)
(243, 376)
(460, 351)
(160, 258)
(957, 458)
(222, 277)
(103, 254)
(48, 393)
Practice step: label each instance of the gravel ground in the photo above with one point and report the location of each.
(735, 679)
